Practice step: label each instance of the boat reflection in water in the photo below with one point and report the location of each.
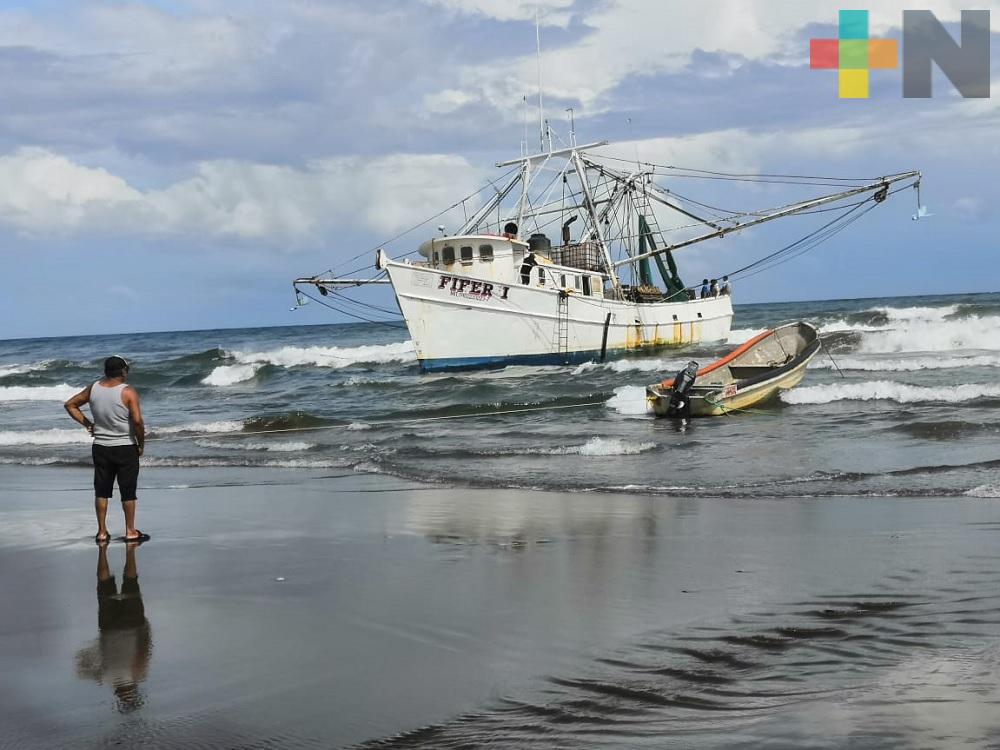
(119, 656)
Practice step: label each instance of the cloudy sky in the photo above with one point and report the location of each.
(173, 164)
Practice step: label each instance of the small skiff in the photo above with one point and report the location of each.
(772, 361)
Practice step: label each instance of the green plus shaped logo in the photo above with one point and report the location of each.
(853, 54)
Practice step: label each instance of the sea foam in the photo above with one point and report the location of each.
(272, 447)
(330, 356)
(629, 400)
(231, 374)
(37, 392)
(887, 390)
(45, 437)
(914, 364)
(598, 446)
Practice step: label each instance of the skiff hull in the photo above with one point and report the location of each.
(751, 375)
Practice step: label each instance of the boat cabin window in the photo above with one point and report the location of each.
(435, 257)
(576, 282)
(562, 281)
(586, 285)
(486, 252)
(467, 254)
(541, 277)
(448, 254)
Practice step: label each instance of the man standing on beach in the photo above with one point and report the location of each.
(119, 438)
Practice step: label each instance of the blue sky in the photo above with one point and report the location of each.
(174, 164)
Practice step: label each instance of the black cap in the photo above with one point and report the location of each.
(115, 365)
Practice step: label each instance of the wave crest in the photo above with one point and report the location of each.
(330, 356)
(629, 400)
(224, 375)
(887, 390)
(598, 446)
(37, 392)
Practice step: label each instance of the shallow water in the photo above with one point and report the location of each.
(911, 410)
(366, 611)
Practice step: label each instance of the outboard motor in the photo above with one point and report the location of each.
(680, 404)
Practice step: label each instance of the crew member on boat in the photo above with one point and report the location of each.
(529, 263)
(724, 288)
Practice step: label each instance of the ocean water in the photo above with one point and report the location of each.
(910, 412)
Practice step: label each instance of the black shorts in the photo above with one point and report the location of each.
(113, 462)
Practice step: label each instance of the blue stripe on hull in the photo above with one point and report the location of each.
(481, 363)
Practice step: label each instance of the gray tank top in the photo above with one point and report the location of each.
(112, 425)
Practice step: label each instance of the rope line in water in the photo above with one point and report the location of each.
(241, 433)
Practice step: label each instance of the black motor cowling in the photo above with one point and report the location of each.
(680, 404)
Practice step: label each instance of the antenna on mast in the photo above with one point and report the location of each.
(538, 61)
(524, 142)
(572, 127)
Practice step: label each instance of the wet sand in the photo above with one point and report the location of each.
(290, 609)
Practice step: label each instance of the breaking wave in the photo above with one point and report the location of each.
(289, 463)
(629, 400)
(633, 365)
(8, 370)
(887, 390)
(598, 446)
(231, 374)
(274, 447)
(889, 330)
(329, 356)
(984, 490)
(914, 364)
(223, 425)
(45, 437)
(739, 335)
(37, 392)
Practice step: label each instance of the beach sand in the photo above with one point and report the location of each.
(310, 609)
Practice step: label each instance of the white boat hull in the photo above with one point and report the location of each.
(460, 322)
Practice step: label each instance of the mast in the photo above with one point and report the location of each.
(581, 171)
(538, 64)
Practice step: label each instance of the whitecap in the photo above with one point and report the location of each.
(330, 356)
(231, 374)
(37, 392)
(598, 446)
(629, 400)
(45, 437)
(645, 364)
(913, 364)
(984, 490)
(272, 447)
(740, 335)
(887, 390)
(224, 425)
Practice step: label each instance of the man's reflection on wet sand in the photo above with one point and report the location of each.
(119, 656)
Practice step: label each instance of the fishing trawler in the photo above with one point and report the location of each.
(556, 266)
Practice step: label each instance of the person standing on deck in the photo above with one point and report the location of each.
(704, 288)
(119, 439)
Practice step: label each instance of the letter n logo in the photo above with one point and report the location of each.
(966, 64)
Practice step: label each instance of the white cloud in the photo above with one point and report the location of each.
(447, 101)
(641, 37)
(44, 193)
(550, 12)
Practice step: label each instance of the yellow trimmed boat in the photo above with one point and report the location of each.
(754, 372)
